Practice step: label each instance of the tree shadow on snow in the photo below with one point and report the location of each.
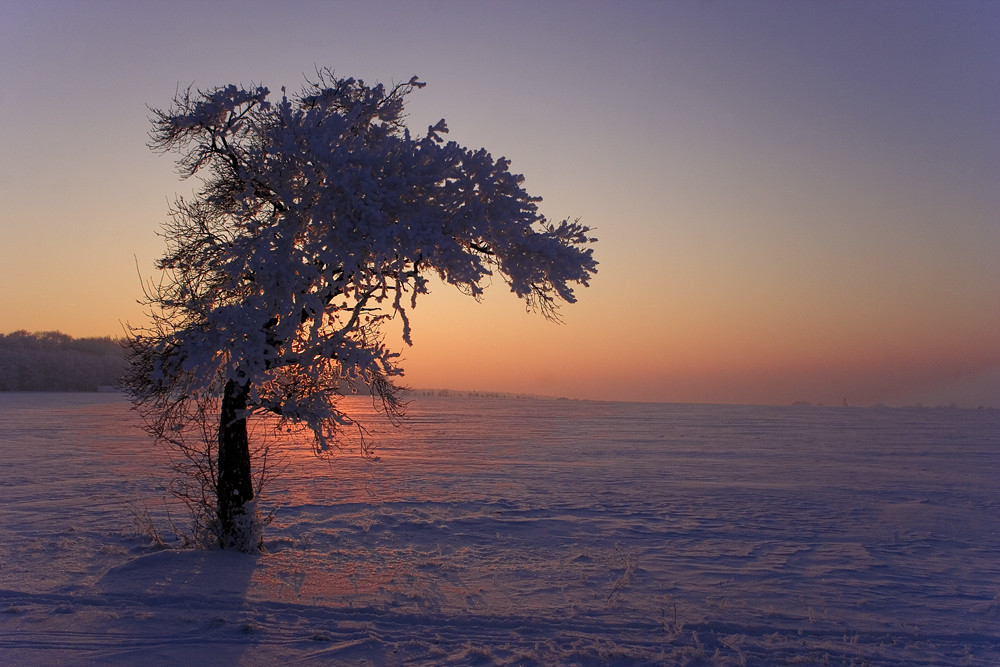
(170, 604)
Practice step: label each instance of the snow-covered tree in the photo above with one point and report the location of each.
(319, 217)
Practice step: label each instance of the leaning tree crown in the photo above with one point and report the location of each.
(319, 218)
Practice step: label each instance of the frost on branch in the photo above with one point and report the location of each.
(319, 218)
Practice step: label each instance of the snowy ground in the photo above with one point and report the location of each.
(522, 532)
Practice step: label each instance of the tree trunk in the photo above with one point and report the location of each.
(234, 487)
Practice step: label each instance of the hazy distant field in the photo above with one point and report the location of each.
(522, 532)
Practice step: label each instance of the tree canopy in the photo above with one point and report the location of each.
(320, 217)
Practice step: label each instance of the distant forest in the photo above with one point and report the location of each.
(53, 361)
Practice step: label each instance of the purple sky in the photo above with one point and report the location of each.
(794, 200)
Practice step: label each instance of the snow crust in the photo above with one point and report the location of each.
(526, 532)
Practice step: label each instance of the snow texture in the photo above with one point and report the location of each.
(527, 532)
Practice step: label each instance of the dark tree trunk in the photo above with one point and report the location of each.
(234, 487)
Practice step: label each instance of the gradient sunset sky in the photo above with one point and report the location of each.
(795, 201)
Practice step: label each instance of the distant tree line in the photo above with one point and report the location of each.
(53, 361)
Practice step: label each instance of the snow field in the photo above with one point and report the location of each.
(516, 532)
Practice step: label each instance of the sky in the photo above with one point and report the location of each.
(795, 201)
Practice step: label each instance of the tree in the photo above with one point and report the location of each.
(319, 218)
